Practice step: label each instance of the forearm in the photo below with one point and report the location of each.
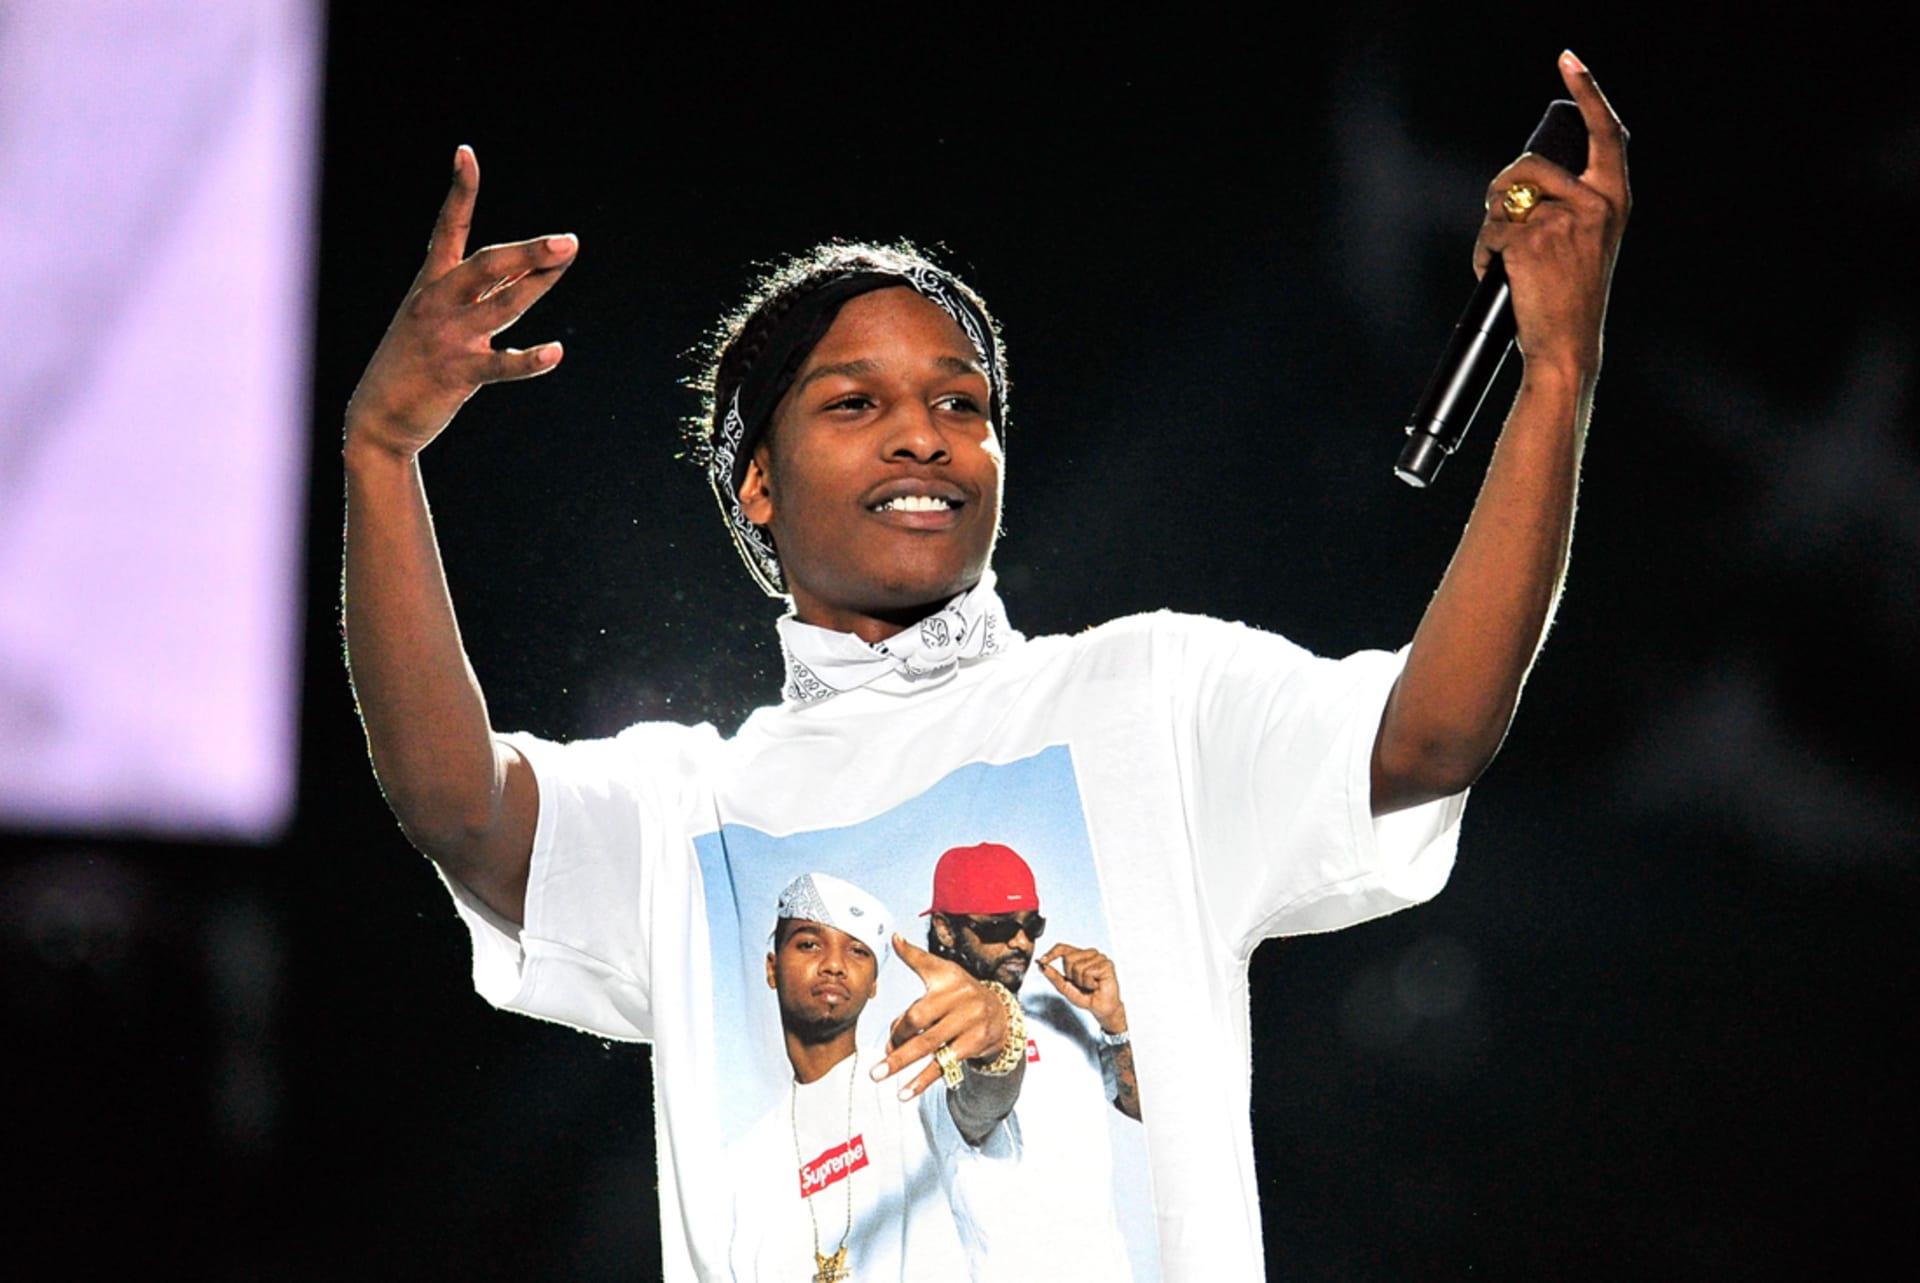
(1455, 699)
(981, 1101)
(1126, 1083)
(463, 799)
(425, 717)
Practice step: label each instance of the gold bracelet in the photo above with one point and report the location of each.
(1016, 1049)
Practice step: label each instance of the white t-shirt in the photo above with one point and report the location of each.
(1182, 788)
(840, 1157)
(1007, 1197)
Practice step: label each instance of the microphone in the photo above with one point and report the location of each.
(1484, 335)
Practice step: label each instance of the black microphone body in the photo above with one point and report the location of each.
(1484, 334)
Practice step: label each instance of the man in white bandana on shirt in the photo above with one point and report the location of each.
(839, 1175)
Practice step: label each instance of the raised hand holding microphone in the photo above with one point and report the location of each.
(1486, 329)
(1455, 698)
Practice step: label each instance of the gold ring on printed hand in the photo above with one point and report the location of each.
(1519, 201)
(949, 1065)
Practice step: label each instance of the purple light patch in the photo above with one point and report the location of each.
(156, 182)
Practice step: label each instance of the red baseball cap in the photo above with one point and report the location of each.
(988, 878)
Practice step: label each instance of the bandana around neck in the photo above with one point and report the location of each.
(822, 663)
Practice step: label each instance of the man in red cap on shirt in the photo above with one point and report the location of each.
(986, 916)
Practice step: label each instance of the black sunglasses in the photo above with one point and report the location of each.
(1003, 927)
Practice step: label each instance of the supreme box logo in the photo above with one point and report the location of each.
(834, 1165)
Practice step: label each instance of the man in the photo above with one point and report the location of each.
(986, 916)
(839, 1169)
(1225, 785)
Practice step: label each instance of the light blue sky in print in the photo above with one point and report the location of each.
(1032, 805)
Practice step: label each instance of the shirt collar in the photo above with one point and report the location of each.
(821, 663)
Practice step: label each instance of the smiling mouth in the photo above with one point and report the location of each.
(915, 503)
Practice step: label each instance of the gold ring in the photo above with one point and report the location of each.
(1519, 201)
(949, 1065)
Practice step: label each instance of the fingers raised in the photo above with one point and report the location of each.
(956, 1012)
(439, 347)
(448, 244)
(503, 287)
(921, 1081)
(922, 963)
(509, 364)
(496, 267)
(1549, 181)
(1083, 967)
(1558, 194)
(1068, 989)
(1606, 136)
(967, 1020)
(911, 1046)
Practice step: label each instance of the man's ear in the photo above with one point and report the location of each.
(756, 488)
(770, 983)
(942, 931)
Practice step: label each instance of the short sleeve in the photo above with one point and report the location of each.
(609, 843)
(1276, 748)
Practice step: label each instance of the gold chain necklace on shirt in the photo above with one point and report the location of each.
(828, 1269)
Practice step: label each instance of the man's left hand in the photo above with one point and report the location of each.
(1086, 979)
(1559, 259)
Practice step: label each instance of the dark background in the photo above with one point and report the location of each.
(1656, 1023)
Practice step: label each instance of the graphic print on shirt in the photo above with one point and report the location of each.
(925, 1203)
(835, 1165)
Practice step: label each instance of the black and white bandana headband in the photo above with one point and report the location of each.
(822, 898)
(749, 403)
(822, 663)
